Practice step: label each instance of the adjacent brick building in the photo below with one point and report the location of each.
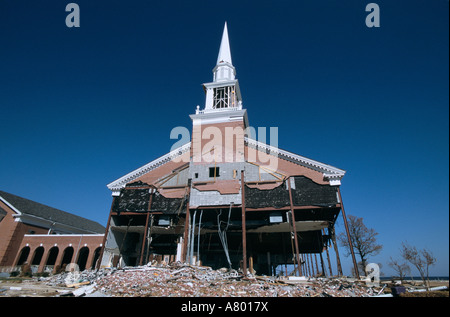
(45, 237)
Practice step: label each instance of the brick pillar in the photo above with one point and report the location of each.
(43, 259)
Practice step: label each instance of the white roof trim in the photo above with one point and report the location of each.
(327, 170)
(121, 182)
(10, 205)
(47, 223)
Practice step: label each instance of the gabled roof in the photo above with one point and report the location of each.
(119, 183)
(328, 171)
(331, 173)
(23, 206)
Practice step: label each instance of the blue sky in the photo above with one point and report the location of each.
(80, 107)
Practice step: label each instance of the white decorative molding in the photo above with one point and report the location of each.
(331, 173)
(116, 185)
(10, 206)
(219, 116)
(198, 111)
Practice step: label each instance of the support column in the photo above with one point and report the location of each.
(328, 254)
(315, 261)
(329, 261)
(311, 269)
(305, 264)
(293, 226)
(100, 257)
(244, 231)
(59, 258)
(284, 253)
(144, 238)
(338, 259)
(90, 257)
(43, 260)
(144, 235)
(186, 225)
(322, 263)
(355, 265)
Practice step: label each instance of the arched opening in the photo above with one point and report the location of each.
(82, 258)
(37, 257)
(51, 259)
(23, 255)
(52, 255)
(67, 256)
(96, 257)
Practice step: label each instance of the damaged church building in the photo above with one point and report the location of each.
(225, 199)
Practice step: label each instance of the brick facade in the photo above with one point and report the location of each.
(50, 252)
(27, 237)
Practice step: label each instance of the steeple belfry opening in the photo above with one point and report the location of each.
(224, 97)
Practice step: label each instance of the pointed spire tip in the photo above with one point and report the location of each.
(224, 51)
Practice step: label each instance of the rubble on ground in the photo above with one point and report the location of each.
(182, 280)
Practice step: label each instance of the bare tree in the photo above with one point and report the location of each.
(422, 260)
(363, 240)
(400, 268)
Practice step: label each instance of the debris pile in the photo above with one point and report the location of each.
(181, 280)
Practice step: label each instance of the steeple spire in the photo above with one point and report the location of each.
(224, 70)
(223, 95)
(224, 52)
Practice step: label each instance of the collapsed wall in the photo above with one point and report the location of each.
(147, 225)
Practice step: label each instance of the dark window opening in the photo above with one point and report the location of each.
(214, 172)
(196, 175)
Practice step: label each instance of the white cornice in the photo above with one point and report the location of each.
(116, 185)
(10, 205)
(329, 172)
(219, 116)
(223, 83)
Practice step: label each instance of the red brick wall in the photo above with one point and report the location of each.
(11, 234)
(91, 241)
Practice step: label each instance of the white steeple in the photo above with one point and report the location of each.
(224, 51)
(223, 97)
(224, 69)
